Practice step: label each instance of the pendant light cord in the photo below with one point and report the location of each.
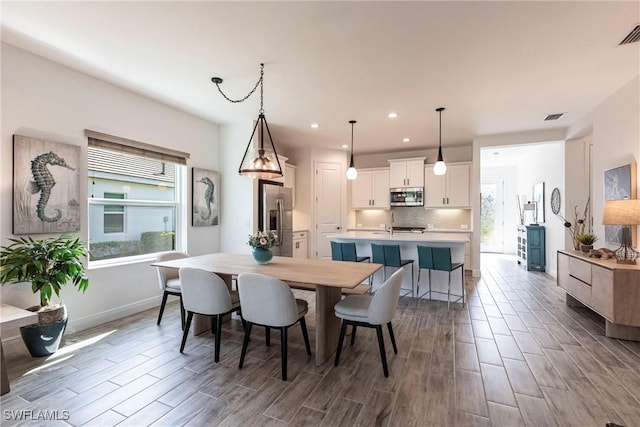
(217, 81)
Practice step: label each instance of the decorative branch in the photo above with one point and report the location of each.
(576, 228)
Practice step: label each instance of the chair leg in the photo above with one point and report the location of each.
(186, 331)
(462, 278)
(283, 350)
(182, 313)
(214, 326)
(353, 334)
(418, 282)
(218, 339)
(267, 335)
(245, 343)
(305, 335)
(413, 283)
(164, 302)
(383, 353)
(449, 292)
(393, 338)
(429, 285)
(343, 331)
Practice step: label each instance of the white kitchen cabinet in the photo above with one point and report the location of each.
(371, 189)
(283, 165)
(450, 190)
(300, 244)
(406, 172)
(290, 181)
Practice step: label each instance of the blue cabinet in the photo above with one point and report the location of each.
(531, 247)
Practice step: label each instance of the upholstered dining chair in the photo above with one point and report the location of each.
(269, 302)
(425, 262)
(169, 282)
(336, 251)
(442, 262)
(207, 294)
(349, 253)
(389, 256)
(371, 311)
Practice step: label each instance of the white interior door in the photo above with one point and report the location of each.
(328, 205)
(492, 215)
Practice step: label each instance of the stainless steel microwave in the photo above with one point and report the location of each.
(406, 196)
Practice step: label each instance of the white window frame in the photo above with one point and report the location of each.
(180, 205)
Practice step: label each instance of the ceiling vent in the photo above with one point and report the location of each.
(632, 37)
(553, 117)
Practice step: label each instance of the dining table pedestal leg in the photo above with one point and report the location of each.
(327, 324)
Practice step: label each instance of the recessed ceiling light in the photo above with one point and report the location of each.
(315, 125)
(496, 153)
(392, 115)
(406, 139)
(345, 146)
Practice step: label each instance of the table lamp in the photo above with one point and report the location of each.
(531, 207)
(626, 213)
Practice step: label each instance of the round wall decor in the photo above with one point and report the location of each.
(555, 201)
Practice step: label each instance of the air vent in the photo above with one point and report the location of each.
(553, 117)
(633, 36)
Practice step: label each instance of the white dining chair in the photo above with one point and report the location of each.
(207, 294)
(169, 282)
(371, 311)
(269, 302)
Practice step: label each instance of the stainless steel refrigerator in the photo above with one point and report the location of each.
(276, 214)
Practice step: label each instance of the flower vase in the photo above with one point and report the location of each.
(262, 256)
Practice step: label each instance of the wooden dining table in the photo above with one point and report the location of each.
(328, 278)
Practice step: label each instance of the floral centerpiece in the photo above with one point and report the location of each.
(261, 242)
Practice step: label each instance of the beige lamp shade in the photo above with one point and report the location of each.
(621, 212)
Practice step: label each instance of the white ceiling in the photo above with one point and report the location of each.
(497, 67)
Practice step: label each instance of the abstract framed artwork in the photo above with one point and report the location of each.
(538, 197)
(46, 186)
(205, 197)
(619, 183)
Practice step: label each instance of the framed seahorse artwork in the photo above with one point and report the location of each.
(46, 186)
(205, 197)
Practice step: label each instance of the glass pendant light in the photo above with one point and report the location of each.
(352, 172)
(440, 168)
(261, 161)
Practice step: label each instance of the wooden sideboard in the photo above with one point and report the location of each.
(606, 287)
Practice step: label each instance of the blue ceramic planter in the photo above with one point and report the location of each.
(262, 256)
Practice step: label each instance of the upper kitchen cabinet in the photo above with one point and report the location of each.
(371, 189)
(450, 190)
(290, 181)
(406, 172)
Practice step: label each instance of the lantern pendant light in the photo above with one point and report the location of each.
(440, 168)
(263, 161)
(352, 172)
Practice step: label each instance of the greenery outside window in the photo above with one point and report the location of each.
(141, 211)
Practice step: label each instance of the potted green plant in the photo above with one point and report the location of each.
(586, 241)
(262, 242)
(48, 264)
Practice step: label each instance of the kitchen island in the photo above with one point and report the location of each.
(408, 243)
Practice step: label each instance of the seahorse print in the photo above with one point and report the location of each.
(209, 195)
(43, 182)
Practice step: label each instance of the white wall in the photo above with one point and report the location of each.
(546, 164)
(238, 216)
(484, 141)
(616, 142)
(43, 99)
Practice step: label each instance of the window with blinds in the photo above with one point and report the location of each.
(135, 195)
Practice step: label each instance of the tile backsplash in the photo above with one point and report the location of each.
(453, 219)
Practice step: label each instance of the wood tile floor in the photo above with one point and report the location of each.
(514, 355)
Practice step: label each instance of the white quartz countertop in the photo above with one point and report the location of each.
(401, 237)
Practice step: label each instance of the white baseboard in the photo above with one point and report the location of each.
(97, 319)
